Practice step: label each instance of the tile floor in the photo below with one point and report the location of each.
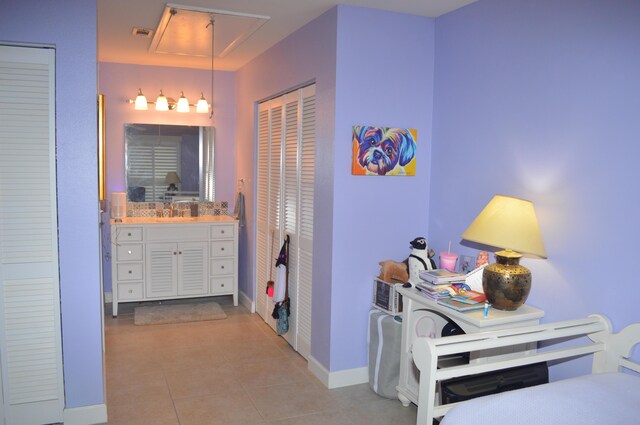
(227, 372)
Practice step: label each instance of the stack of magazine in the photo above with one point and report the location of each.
(449, 289)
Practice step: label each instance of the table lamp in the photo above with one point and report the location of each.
(510, 224)
(172, 179)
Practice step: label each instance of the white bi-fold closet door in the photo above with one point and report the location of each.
(30, 333)
(285, 178)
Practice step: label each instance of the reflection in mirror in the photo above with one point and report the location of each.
(169, 162)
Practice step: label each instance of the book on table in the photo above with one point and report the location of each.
(470, 297)
(441, 276)
(459, 305)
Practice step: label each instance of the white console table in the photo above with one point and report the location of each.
(425, 317)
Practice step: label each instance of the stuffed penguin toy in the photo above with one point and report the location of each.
(419, 259)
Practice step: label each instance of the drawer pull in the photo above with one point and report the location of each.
(222, 232)
(222, 267)
(222, 249)
(180, 252)
(129, 252)
(130, 271)
(222, 285)
(131, 291)
(175, 253)
(128, 234)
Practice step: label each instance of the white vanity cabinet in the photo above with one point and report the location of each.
(167, 259)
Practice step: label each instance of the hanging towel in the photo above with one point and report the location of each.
(238, 210)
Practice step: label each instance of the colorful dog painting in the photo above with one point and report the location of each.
(384, 151)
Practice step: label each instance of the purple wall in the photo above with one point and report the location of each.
(348, 215)
(384, 78)
(540, 100)
(72, 29)
(306, 55)
(120, 82)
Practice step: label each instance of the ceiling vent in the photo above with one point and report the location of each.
(142, 32)
(183, 31)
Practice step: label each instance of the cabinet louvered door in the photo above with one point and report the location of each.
(161, 270)
(193, 271)
(285, 170)
(30, 330)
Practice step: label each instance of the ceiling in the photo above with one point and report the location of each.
(117, 18)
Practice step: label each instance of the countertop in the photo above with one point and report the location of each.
(176, 220)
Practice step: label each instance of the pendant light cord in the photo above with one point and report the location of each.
(212, 39)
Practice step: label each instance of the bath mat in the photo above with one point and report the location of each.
(177, 313)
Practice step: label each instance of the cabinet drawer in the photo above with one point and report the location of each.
(129, 271)
(130, 291)
(222, 248)
(221, 285)
(222, 231)
(221, 267)
(129, 252)
(129, 234)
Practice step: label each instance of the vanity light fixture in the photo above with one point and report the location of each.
(164, 103)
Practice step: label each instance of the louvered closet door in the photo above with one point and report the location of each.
(30, 336)
(286, 152)
(305, 218)
(268, 215)
(263, 234)
(290, 203)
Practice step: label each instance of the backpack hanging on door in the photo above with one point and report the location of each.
(282, 310)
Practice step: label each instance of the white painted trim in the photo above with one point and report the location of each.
(108, 297)
(341, 378)
(247, 302)
(86, 415)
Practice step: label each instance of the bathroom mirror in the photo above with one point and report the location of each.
(166, 163)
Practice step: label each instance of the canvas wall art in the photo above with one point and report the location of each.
(384, 151)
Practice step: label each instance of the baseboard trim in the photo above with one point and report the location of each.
(108, 297)
(341, 378)
(245, 301)
(86, 415)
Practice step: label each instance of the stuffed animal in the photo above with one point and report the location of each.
(393, 271)
(420, 259)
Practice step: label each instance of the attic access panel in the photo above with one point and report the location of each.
(183, 31)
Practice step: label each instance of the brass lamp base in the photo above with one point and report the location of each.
(506, 283)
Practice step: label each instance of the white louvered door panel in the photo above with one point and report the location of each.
(290, 203)
(161, 270)
(275, 173)
(305, 219)
(30, 330)
(285, 170)
(263, 237)
(193, 270)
